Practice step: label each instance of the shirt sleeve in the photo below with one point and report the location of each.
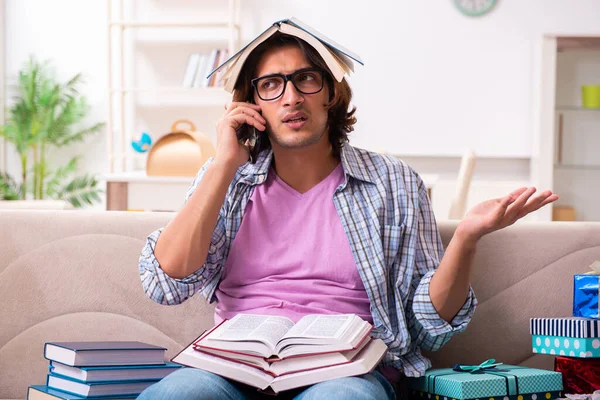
(427, 328)
(164, 289)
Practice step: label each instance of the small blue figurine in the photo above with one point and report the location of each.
(142, 143)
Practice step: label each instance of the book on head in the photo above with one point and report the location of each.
(78, 354)
(339, 59)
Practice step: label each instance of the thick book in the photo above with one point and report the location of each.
(114, 373)
(274, 338)
(292, 364)
(98, 389)
(364, 362)
(339, 59)
(43, 392)
(82, 354)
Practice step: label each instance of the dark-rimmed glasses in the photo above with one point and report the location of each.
(306, 81)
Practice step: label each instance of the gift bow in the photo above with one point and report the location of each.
(595, 266)
(473, 369)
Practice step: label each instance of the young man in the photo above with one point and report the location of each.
(315, 226)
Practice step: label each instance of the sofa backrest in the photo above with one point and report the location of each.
(73, 275)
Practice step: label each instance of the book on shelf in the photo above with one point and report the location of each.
(199, 66)
(114, 373)
(43, 392)
(98, 389)
(366, 359)
(275, 338)
(339, 59)
(190, 71)
(81, 354)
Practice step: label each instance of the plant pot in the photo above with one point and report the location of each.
(35, 205)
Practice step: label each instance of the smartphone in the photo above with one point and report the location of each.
(249, 133)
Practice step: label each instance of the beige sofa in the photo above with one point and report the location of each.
(73, 275)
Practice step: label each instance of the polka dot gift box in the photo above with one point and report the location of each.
(500, 382)
(572, 337)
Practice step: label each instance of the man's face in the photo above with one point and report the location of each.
(310, 128)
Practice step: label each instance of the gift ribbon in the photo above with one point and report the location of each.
(473, 369)
(486, 367)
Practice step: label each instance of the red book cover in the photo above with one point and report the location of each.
(580, 375)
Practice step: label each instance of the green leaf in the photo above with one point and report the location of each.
(56, 179)
(81, 191)
(9, 189)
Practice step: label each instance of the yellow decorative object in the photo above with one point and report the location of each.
(180, 152)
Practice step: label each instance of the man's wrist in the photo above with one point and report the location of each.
(466, 238)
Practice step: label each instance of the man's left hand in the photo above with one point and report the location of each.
(495, 214)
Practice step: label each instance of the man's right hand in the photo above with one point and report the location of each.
(229, 150)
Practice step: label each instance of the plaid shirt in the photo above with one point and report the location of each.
(387, 217)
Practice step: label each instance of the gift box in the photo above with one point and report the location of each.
(585, 293)
(585, 296)
(574, 337)
(579, 376)
(499, 382)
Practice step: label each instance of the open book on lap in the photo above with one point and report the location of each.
(292, 364)
(276, 338)
(363, 362)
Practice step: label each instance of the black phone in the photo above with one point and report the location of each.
(249, 133)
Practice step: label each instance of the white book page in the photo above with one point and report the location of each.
(246, 327)
(321, 326)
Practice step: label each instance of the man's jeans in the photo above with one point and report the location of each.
(195, 384)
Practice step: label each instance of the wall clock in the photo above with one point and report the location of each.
(474, 8)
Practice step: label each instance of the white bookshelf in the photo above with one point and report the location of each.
(128, 99)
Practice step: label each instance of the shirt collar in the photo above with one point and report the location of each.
(355, 164)
(352, 163)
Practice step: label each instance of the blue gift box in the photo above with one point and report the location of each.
(585, 295)
(500, 382)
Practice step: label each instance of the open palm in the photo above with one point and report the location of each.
(495, 214)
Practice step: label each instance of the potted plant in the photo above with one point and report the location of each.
(47, 115)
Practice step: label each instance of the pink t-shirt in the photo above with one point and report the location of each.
(291, 256)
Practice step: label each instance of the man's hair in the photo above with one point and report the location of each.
(340, 120)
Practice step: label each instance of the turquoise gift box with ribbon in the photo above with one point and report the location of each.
(489, 380)
(585, 293)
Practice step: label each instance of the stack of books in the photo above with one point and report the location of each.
(80, 370)
(273, 354)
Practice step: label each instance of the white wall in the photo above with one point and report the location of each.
(434, 82)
